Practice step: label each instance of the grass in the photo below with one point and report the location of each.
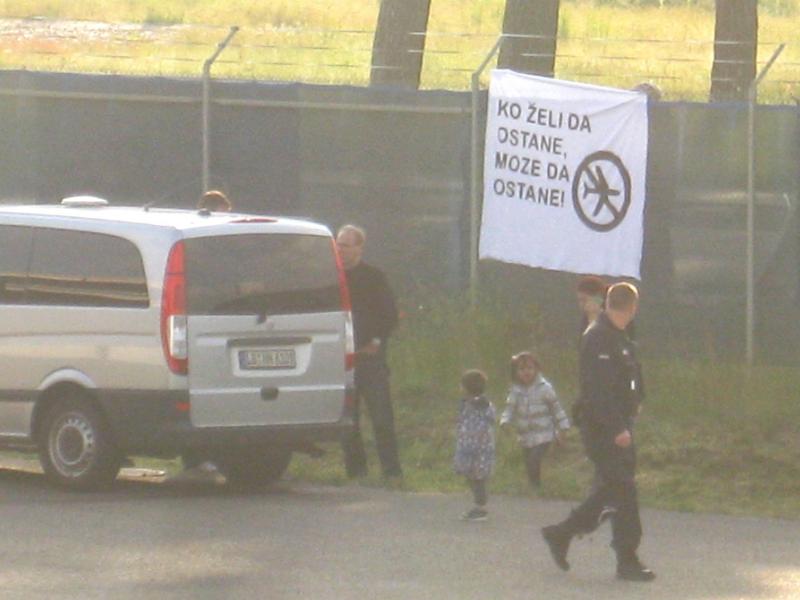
(711, 439)
(609, 43)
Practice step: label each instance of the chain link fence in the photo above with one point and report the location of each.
(399, 163)
(680, 66)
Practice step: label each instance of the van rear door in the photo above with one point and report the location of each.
(266, 330)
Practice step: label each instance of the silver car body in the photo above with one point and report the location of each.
(251, 375)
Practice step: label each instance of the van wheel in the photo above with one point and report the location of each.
(254, 468)
(75, 446)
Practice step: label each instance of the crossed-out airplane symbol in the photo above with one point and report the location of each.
(591, 179)
(604, 191)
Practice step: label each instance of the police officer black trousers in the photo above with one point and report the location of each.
(614, 495)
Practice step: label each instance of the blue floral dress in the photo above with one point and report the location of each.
(475, 438)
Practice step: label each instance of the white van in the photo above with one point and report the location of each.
(150, 332)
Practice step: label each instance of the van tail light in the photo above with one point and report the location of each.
(349, 340)
(174, 329)
(344, 295)
(344, 291)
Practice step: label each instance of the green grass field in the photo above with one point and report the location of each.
(608, 43)
(711, 438)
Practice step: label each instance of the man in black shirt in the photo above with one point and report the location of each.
(610, 395)
(374, 318)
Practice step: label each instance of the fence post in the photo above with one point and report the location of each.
(475, 180)
(751, 202)
(206, 100)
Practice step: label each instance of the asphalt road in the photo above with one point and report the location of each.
(160, 540)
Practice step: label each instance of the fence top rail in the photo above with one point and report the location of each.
(453, 102)
(298, 104)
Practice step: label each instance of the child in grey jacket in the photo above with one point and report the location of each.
(534, 411)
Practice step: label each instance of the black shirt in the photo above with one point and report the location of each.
(611, 386)
(374, 308)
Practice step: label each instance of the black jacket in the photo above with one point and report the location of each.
(374, 308)
(611, 386)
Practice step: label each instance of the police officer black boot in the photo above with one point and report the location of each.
(558, 538)
(630, 568)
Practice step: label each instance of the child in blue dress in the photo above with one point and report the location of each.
(475, 449)
(533, 410)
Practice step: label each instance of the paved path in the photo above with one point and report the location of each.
(159, 540)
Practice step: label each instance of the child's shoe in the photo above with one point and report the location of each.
(476, 514)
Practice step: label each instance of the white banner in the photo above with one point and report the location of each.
(564, 175)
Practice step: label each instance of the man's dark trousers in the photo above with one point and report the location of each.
(614, 491)
(372, 386)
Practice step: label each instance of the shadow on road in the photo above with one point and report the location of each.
(29, 486)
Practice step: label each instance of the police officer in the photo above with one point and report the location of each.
(610, 395)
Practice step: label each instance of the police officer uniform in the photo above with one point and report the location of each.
(611, 390)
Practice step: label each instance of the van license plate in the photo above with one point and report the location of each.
(282, 358)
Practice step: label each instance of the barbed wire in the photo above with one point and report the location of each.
(120, 33)
(345, 55)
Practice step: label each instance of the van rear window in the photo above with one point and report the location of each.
(263, 274)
